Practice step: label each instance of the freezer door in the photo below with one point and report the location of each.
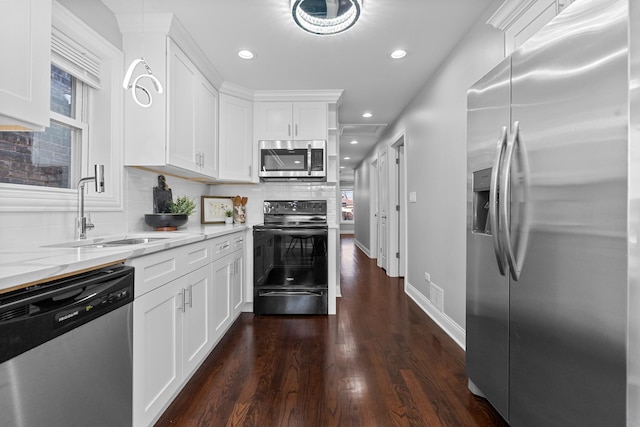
(568, 309)
(487, 323)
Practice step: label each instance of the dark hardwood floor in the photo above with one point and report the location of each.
(379, 362)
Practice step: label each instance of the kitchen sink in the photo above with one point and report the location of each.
(108, 243)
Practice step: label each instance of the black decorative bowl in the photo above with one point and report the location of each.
(165, 221)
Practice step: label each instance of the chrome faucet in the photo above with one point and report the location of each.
(83, 223)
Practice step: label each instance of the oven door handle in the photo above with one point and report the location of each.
(293, 232)
(289, 293)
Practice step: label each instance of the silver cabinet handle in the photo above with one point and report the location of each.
(494, 199)
(201, 160)
(182, 307)
(289, 130)
(515, 260)
(296, 130)
(190, 289)
(308, 159)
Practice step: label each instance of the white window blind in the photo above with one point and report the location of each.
(75, 59)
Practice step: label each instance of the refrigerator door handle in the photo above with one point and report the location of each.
(494, 200)
(515, 260)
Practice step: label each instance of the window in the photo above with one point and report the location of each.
(347, 205)
(52, 158)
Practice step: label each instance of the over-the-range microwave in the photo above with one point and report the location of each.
(293, 160)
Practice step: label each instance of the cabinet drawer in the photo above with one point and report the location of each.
(162, 267)
(197, 255)
(155, 270)
(237, 241)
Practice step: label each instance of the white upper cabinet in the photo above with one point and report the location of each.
(178, 133)
(193, 116)
(25, 31)
(291, 120)
(236, 139)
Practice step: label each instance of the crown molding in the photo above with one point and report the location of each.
(329, 95)
(508, 13)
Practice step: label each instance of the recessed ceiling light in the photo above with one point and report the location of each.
(367, 115)
(346, 158)
(341, 167)
(398, 54)
(354, 142)
(246, 54)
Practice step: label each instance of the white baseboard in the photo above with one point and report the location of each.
(455, 331)
(363, 248)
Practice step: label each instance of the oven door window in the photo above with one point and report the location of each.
(291, 258)
(284, 160)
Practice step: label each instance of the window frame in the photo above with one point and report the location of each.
(342, 190)
(102, 140)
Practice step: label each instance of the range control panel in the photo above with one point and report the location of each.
(295, 207)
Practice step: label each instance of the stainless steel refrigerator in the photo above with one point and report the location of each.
(552, 224)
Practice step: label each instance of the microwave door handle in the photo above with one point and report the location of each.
(309, 159)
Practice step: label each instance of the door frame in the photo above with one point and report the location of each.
(397, 218)
(373, 211)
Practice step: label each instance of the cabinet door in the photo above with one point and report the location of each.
(310, 120)
(220, 296)
(207, 128)
(181, 93)
(274, 120)
(26, 64)
(196, 340)
(157, 354)
(237, 283)
(236, 139)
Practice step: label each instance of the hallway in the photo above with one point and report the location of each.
(380, 361)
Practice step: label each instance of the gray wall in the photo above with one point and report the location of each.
(435, 150)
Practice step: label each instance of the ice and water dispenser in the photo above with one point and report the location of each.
(481, 193)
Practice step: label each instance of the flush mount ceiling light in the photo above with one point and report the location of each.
(324, 17)
(246, 54)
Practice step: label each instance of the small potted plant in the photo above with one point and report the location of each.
(228, 214)
(183, 205)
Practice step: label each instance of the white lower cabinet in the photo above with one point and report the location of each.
(170, 339)
(227, 298)
(186, 299)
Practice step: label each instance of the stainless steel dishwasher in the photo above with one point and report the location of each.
(66, 351)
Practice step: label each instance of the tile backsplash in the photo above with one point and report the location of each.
(29, 229)
(257, 193)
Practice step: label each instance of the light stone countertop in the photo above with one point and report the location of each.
(21, 267)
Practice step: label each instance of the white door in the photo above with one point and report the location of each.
(207, 128)
(220, 296)
(182, 115)
(157, 353)
(310, 120)
(195, 327)
(237, 283)
(373, 228)
(236, 144)
(402, 212)
(383, 209)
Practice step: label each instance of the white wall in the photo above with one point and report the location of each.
(435, 151)
(95, 14)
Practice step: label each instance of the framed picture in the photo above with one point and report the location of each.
(213, 209)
